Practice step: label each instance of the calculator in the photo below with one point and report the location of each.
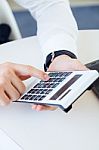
(62, 89)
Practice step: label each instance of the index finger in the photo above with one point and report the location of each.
(39, 74)
(27, 70)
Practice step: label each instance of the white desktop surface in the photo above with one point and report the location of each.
(48, 130)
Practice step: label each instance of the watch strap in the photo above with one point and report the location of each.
(55, 54)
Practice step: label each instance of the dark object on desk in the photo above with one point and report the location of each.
(96, 87)
(94, 66)
(5, 31)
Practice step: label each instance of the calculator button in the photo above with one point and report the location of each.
(42, 97)
(44, 91)
(48, 91)
(55, 85)
(38, 97)
(33, 97)
(52, 74)
(24, 97)
(32, 91)
(51, 80)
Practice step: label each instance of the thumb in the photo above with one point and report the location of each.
(26, 71)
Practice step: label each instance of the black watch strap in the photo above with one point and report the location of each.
(55, 54)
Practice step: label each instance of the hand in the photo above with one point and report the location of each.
(61, 63)
(11, 76)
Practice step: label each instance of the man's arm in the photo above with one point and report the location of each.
(56, 26)
(56, 30)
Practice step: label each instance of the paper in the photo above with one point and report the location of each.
(6, 143)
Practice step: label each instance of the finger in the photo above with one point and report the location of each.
(12, 92)
(43, 107)
(25, 77)
(4, 99)
(39, 74)
(17, 84)
(34, 106)
(29, 71)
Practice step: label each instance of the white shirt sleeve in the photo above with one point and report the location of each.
(56, 26)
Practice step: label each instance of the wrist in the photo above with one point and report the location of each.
(58, 55)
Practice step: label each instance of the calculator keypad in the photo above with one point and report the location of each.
(43, 88)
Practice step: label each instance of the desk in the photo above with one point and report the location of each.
(48, 130)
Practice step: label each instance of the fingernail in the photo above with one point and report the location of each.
(46, 77)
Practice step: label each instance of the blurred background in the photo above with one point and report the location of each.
(86, 13)
(73, 3)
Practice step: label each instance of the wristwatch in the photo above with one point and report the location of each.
(53, 55)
